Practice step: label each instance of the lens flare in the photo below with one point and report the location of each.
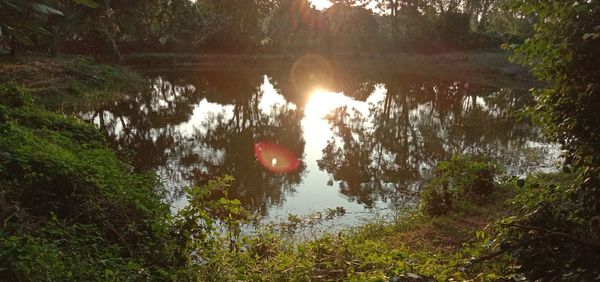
(311, 71)
(275, 157)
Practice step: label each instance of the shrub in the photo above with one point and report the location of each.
(459, 179)
(71, 210)
(545, 223)
(553, 235)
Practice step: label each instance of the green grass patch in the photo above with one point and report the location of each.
(69, 82)
(70, 209)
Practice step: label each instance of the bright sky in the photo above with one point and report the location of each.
(324, 4)
(321, 4)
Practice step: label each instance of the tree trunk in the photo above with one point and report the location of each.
(394, 10)
(13, 46)
(484, 13)
(114, 52)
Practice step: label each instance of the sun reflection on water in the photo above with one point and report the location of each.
(322, 102)
(317, 130)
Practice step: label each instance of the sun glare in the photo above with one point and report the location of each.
(321, 4)
(322, 102)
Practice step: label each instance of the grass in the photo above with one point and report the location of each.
(460, 245)
(447, 233)
(70, 209)
(413, 245)
(70, 82)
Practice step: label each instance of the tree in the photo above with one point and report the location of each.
(296, 25)
(556, 234)
(350, 28)
(239, 22)
(22, 20)
(391, 8)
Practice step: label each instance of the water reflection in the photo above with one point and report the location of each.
(379, 152)
(234, 139)
(366, 141)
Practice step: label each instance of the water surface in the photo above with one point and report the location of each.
(366, 141)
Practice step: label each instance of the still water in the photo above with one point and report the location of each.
(365, 142)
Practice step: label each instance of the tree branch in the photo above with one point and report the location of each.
(585, 241)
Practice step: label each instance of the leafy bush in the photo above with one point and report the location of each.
(554, 235)
(459, 179)
(546, 237)
(198, 223)
(70, 209)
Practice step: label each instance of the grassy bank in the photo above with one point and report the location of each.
(70, 82)
(414, 246)
(484, 67)
(467, 243)
(70, 209)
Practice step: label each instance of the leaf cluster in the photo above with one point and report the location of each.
(554, 231)
(23, 19)
(458, 180)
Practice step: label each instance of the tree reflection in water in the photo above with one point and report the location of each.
(166, 129)
(382, 154)
(196, 126)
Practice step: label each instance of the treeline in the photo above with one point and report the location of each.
(109, 28)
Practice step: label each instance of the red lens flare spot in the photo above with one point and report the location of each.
(275, 157)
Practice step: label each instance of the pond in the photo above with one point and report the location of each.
(365, 141)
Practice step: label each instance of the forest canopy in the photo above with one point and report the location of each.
(108, 28)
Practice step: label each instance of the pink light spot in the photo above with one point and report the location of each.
(275, 157)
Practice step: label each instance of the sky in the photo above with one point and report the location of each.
(321, 4)
(324, 4)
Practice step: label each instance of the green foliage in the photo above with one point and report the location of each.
(14, 97)
(22, 20)
(270, 257)
(554, 234)
(198, 223)
(70, 209)
(161, 25)
(546, 236)
(564, 52)
(209, 233)
(367, 253)
(59, 254)
(457, 182)
(70, 83)
(454, 29)
(105, 28)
